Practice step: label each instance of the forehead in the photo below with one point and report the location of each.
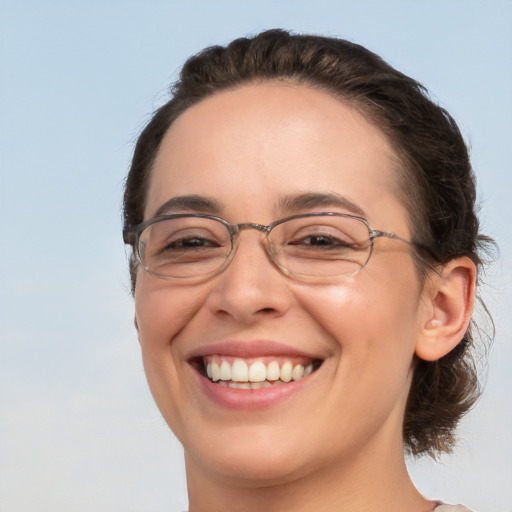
(255, 144)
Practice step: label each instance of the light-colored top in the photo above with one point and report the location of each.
(451, 508)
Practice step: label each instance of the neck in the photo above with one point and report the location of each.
(369, 482)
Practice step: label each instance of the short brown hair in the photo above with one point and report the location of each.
(436, 179)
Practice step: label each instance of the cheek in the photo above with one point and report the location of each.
(162, 311)
(371, 328)
(368, 314)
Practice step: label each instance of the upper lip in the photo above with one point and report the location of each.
(250, 349)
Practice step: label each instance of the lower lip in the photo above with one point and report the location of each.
(249, 399)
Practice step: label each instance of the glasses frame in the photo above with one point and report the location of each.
(131, 236)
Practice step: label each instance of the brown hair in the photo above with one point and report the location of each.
(436, 180)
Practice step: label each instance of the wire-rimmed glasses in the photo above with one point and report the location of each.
(312, 246)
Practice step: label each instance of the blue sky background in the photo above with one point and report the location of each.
(78, 80)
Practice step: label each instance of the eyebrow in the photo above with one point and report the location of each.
(298, 202)
(290, 204)
(192, 202)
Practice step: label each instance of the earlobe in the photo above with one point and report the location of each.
(450, 299)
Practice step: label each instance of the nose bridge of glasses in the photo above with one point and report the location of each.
(235, 231)
(252, 225)
(236, 228)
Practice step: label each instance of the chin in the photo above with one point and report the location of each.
(252, 460)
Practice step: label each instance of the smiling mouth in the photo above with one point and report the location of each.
(254, 373)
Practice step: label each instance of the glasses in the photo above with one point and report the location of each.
(317, 246)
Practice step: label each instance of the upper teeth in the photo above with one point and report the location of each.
(238, 370)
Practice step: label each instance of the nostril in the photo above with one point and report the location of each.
(266, 310)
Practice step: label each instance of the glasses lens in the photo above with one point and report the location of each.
(321, 246)
(184, 247)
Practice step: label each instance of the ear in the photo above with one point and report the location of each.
(449, 304)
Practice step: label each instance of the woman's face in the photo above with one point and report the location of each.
(251, 152)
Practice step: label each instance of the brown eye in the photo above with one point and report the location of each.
(190, 243)
(321, 241)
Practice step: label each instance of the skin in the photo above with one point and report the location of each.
(324, 447)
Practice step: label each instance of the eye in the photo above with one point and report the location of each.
(184, 246)
(320, 240)
(191, 242)
(176, 237)
(318, 237)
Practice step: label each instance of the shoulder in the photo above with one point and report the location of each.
(452, 508)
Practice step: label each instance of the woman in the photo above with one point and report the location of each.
(306, 254)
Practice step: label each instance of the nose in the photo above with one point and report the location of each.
(251, 287)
